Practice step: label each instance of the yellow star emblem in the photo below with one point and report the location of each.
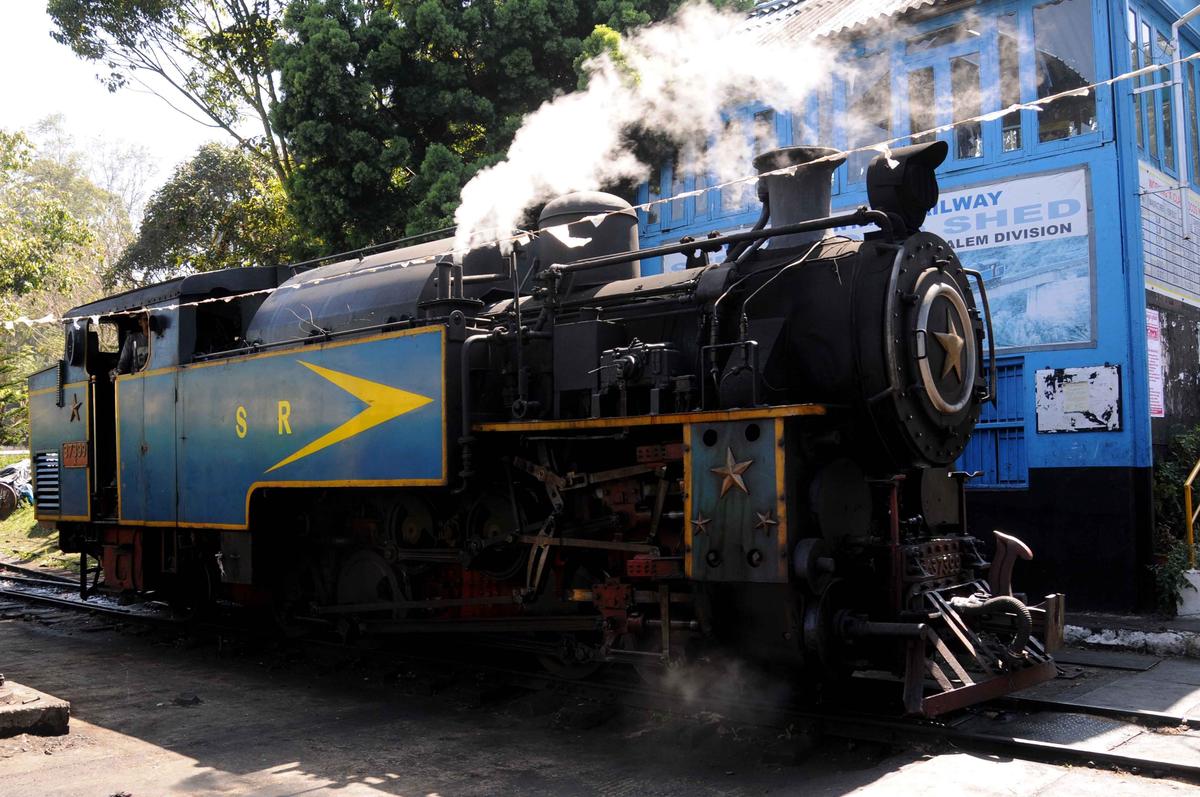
(765, 520)
(732, 473)
(952, 342)
(384, 402)
(76, 406)
(700, 523)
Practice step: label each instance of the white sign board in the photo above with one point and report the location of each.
(1154, 362)
(1030, 239)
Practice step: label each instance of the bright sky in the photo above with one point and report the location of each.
(43, 77)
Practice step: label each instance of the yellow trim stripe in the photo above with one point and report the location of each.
(42, 391)
(117, 439)
(687, 500)
(707, 416)
(781, 533)
(282, 350)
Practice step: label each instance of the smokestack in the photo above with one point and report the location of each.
(796, 197)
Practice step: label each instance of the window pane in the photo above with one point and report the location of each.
(764, 131)
(1166, 101)
(1147, 80)
(825, 119)
(966, 104)
(1135, 63)
(869, 111)
(921, 114)
(1062, 34)
(1191, 117)
(678, 186)
(951, 34)
(655, 193)
(1010, 83)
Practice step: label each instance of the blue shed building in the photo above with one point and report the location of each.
(1075, 215)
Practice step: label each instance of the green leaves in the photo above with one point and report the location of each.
(36, 226)
(221, 209)
(210, 59)
(389, 107)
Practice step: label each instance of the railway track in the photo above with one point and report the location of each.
(31, 572)
(975, 730)
(38, 590)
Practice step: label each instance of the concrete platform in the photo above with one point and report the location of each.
(1174, 636)
(25, 710)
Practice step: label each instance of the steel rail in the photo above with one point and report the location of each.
(1143, 717)
(895, 731)
(79, 605)
(45, 582)
(32, 571)
(886, 729)
(901, 731)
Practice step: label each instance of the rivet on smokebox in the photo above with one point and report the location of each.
(754, 558)
(713, 558)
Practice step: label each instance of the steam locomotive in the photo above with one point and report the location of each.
(538, 444)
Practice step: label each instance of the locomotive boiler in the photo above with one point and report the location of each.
(752, 455)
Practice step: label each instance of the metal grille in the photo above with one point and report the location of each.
(45, 481)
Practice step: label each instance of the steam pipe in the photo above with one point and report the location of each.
(860, 217)
(465, 436)
(738, 252)
(456, 291)
(473, 279)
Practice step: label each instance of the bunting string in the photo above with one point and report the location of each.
(883, 148)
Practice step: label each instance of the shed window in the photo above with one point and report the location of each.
(1194, 133)
(1134, 63)
(1065, 60)
(921, 105)
(869, 111)
(951, 34)
(966, 104)
(1148, 80)
(678, 186)
(765, 137)
(1165, 104)
(653, 194)
(1010, 82)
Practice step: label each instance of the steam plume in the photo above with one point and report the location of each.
(686, 71)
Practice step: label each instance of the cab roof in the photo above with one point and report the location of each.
(228, 282)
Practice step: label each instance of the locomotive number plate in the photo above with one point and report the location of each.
(75, 455)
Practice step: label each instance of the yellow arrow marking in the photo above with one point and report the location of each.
(383, 403)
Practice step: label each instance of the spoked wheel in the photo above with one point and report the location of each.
(366, 580)
(8, 500)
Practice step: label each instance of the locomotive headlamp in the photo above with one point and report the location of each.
(904, 184)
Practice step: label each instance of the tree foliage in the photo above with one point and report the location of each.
(391, 105)
(209, 59)
(58, 230)
(36, 226)
(221, 209)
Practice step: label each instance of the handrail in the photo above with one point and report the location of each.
(1191, 515)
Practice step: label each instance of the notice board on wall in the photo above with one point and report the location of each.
(1079, 399)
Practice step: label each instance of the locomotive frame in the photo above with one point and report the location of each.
(748, 457)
